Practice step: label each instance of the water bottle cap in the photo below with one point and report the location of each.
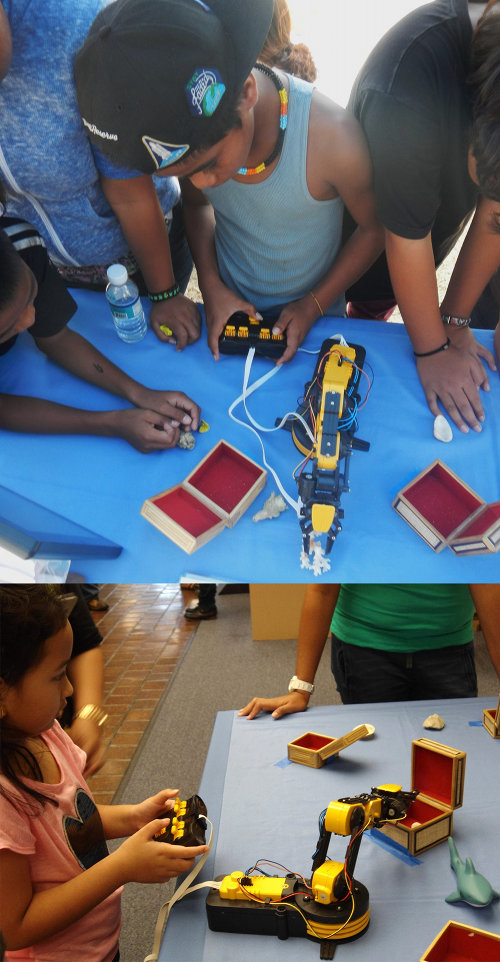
(117, 274)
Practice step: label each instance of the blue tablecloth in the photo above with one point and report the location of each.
(101, 483)
(264, 807)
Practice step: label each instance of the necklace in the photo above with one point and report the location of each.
(251, 171)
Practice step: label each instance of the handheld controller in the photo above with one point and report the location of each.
(242, 331)
(188, 825)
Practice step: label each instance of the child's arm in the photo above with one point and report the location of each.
(120, 821)
(81, 358)
(145, 430)
(338, 162)
(137, 208)
(27, 917)
(219, 301)
(315, 619)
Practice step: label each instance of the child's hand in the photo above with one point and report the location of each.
(155, 807)
(455, 376)
(145, 430)
(142, 859)
(218, 310)
(181, 315)
(174, 405)
(296, 319)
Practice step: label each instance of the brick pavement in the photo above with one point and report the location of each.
(145, 634)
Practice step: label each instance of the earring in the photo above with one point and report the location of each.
(2, 712)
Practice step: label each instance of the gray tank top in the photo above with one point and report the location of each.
(274, 241)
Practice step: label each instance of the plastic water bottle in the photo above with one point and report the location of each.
(123, 298)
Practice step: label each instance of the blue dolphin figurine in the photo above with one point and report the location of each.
(472, 887)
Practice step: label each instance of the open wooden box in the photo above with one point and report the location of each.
(314, 750)
(491, 720)
(463, 943)
(213, 497)
(444, 511)
(437, 772)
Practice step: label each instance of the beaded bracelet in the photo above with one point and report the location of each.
(437, 350)
(165, 295)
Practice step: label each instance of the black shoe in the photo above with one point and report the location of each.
(197, 613)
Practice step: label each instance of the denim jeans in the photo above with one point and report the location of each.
(371, 675)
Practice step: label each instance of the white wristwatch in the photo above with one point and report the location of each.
(296, 684)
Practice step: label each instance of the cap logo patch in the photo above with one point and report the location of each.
(164, 155)
(204, 92)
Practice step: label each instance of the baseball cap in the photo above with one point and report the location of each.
(152, 74)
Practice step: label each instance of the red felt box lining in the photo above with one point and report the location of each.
(312, 741)
(187, 511)
(432, 775)
(442, 500)
(484, 521)
(461, 945)
(225, 477)
(420, 812)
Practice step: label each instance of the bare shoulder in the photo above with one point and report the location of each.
(333, 125)
(336, 144)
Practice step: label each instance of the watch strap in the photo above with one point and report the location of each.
(296, 684)
(453, 321)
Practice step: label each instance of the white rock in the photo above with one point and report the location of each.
(370, 733)
(442, 430)
(434, 721)
(186, 440)
(271, 508)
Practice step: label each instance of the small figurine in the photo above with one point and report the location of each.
(472, 887)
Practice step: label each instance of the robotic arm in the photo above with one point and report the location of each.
(331, 881)
(329, 409)
(331, 906)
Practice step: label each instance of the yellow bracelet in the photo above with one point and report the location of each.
(320, 309)
(92, 713)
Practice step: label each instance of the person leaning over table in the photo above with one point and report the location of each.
(428, 100)
(390, 642)
(268, 162)
(89, 213)
(32, 295)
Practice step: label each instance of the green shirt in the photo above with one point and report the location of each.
(404, 617)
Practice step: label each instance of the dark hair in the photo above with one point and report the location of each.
(11, 269)
(29, 614)
(484, 83)
(226, 118)
(279, 51)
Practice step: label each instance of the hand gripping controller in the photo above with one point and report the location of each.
(188, 825)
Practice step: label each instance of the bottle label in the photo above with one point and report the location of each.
(129, 313)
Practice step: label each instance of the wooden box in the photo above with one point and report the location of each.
(437, 772)
(314, 750)
(463, 943)
(444, 511)
(213, 497)
(491, 720)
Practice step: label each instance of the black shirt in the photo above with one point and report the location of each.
(54, 306)
(412, 101)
